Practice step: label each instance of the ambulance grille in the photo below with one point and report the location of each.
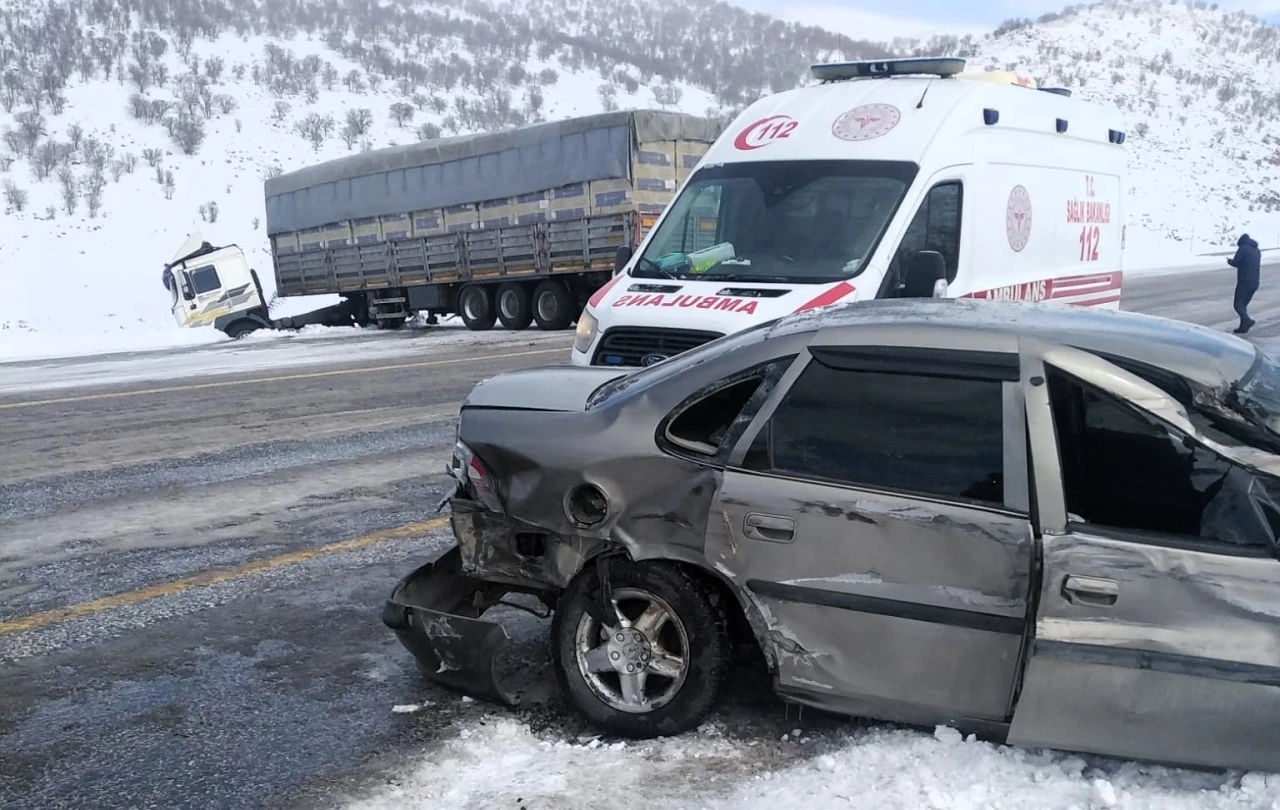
(631, 345)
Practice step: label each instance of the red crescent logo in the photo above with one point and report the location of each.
(764, 132)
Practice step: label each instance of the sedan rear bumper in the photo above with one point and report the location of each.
(435, 612)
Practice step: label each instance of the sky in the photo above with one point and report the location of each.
(882, 20)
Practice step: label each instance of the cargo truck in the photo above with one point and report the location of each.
(517, 226)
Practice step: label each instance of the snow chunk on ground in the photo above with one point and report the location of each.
(502, 764)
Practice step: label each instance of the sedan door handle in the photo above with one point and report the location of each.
(1090, 590)
(769, 528)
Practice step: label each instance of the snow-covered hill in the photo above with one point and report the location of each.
(126, 124)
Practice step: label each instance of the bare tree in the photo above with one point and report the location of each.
(74, 133)
(280, 110)
(94, 185)
(401, 113)
(188, 133)
(315, 128)
(667, 95)
(70, 188)
(15, 197)
(46, 159)
(31, 128)
(213, 67)
(360, 120)
(168, 184)
(428, 132)
(152, 156)
(140, 75)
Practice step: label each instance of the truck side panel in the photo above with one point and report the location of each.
(573, 228)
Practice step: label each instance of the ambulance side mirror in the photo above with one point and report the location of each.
(621, 258)
(927, 268)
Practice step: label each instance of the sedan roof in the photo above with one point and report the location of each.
(1200, 354)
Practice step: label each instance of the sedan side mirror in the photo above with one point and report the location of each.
(926, 276)
(621, 258)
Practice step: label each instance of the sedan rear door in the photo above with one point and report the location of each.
(876, 514)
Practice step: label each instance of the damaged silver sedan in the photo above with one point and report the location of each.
(1051, 526)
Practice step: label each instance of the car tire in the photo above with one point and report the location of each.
(690, 641)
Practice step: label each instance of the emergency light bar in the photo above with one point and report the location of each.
(941, 66)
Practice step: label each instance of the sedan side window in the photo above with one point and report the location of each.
(915, 432)
(701, 424)
(1126, 470)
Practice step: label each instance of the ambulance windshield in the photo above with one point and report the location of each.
(811, 221)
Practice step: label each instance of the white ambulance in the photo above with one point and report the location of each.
(907, 177)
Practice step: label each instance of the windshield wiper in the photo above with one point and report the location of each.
(657, 268)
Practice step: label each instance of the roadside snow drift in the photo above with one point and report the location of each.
(501, 764)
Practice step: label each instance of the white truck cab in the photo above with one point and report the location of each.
(214, 286)
(906, 177)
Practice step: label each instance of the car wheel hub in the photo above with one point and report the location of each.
(639, 663)
(629, 651)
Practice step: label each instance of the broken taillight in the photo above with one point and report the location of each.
(475, 477)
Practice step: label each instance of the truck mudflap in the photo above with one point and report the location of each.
(435, 612)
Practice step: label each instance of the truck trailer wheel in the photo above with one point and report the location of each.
(515, 306)
(553, 305)
(475, 305)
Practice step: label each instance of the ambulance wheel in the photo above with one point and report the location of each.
(515, 306)
(553, 306)
(475, 305)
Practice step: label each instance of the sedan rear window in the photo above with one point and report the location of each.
(913, 433)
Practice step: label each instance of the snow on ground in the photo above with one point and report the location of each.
(279, 352)
(503, 764)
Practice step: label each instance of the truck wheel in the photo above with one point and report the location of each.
(515, 306)
(475, 305)
(238, 329)
(655, 669)
(553, 306)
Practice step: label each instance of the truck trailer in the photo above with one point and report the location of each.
(514, 226)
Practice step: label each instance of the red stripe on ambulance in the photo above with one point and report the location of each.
(1088, 290)
(599, 294)
(828, 297)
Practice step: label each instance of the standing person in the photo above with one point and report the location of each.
(1248, 265)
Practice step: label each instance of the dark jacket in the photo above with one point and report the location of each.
(1247, 262)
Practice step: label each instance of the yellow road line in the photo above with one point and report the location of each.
(283, 378)
(205, 578)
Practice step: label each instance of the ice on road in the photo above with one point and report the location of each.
(503, 764)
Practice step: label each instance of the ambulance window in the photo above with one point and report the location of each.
(936, 226)
(205, 279)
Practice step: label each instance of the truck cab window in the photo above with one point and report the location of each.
(936, 226)
(205, 279)
(1125, 470)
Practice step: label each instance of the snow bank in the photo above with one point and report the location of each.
(502, 764)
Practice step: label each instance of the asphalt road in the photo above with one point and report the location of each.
(192, 567)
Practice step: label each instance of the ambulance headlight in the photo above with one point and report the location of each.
(587, 325)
